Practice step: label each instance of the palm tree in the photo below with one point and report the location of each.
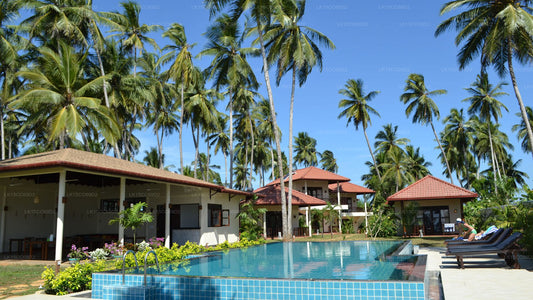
(418, 166)
(387, 140)
(133, 35)
(229, 67)
(152, 158)
(181, 70)
(397, 168)
(59, 98)
(220, 140)
(457, 135)
(291, 46)
(261, 12)
(160, 113)
(497, 31)
(133, 217)
(328, 161)
(305, 148)
(357, 110)
(424, 108)
(522, 130)
(484, 104)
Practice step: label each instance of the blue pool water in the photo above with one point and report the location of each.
(349, 260)
(298, 270)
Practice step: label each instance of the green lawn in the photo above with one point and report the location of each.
(18, 280)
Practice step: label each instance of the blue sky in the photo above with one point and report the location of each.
(381, 42)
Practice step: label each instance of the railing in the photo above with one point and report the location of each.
(124, 264)
(145, 265)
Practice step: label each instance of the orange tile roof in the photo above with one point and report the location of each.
(313, 173)
(348, 187)
(432, 188)
(89, 161)
(272, 196)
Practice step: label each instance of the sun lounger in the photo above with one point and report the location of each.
(493, 238)
(508, 248)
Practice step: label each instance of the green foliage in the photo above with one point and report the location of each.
(76, 278)
(249, 217)
(408, 217)
(347, 227)
(383, 223)
(133, 217)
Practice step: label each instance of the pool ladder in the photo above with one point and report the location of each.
(137, 264)
(124, 264)
(145, 265)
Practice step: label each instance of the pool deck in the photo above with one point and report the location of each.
(484, 276)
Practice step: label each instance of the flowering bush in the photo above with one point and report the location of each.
(78, 253)
(143, 246)
(156, 242)
(98, 254)
(114, 249)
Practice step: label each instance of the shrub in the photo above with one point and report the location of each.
(75, 278)
(382, 223)
(99, 254)
(347, 227)
(78, 277)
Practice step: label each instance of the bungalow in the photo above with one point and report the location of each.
(51, 200)
(312, 189)
(439, 204)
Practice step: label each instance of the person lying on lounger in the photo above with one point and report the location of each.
(485, 233)
(469, 233)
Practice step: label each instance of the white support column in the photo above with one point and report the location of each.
(60, 215)
(305, 186)
(167, 217)
(366, 221)
(121, 200)
(265, 224)
(308, 220)
(339, 204)
(3, 219)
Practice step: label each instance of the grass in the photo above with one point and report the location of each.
(18, 280)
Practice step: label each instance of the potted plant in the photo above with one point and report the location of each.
(76, 254)
(114, 249)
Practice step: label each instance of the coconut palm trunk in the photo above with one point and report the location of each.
(372, 154)
(523, 111)
(180, 134)
(231, 138)
(443, 154)
(2, 132)
(286, 234)
(291, 117)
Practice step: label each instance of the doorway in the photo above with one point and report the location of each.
(433, 219)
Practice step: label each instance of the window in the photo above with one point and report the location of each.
(109, 205)
(315, 192)
(217, 215)
(189, 215)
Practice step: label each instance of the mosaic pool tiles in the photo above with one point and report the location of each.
(105, 286)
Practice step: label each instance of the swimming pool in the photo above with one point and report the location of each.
(298, 270)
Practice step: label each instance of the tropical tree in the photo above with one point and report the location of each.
(332, 213)
(134, 35)
(293, 47)
(151, 157)
(181, 70)
(418, 166)
(220, 140)
(229, 67)
(133, 217)
(261, 12)
(397, 168)
(328, 161)
(497, 31)
(419, 102)
(387, 140)
(522, 130)
(58, 97)
(483, 103)
(357, 110)
(305, 148)
(457, 138)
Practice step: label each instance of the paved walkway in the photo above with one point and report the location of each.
(484, 277)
